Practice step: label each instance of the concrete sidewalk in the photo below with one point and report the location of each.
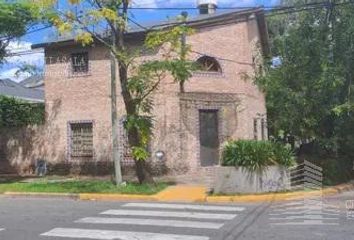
(192, 193)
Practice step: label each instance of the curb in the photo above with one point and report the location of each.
(198, 197)
(115, 197)
(279, 196)
(43, 195)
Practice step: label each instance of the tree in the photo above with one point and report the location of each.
(105, 21)
(309, 94)
(14, 20)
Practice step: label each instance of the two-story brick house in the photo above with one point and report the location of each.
(219, 103)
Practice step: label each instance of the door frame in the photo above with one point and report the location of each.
(220, 132)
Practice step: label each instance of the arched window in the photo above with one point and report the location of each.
(209, 64)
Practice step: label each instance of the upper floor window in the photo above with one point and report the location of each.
(209, 64)
(80, 62)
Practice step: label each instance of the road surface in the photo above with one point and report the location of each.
(60, 219)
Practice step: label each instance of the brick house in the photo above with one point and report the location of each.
(219, 103)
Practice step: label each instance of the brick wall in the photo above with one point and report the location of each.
(87, 98)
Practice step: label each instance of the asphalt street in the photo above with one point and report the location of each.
(58, 219)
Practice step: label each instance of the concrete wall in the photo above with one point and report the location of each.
(238, 180)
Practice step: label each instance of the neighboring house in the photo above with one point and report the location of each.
(10, 88)
(190, 128)
(34, 82)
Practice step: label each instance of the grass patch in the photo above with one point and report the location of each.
(81, 186)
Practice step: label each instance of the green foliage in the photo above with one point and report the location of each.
(256, 155)
(81, 186)
(142, 125)
(309, 95)
(17, 113)
(172, 37)
(140, 154)
(14, 18)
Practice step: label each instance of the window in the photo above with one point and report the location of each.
(263, 127)
(255, 129)
(80, 62)
(81, 140)
(209, 64)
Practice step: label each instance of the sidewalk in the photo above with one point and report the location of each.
(191, 193)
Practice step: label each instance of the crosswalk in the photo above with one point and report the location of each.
(158, 218)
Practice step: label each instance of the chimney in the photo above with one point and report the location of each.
(207, 6)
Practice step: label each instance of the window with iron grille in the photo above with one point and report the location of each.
(81, 140)
(80, 62)
(255, 129)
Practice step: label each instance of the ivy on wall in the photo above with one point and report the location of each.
(18, 113)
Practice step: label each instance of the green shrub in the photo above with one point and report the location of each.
(256, 155)
(18, 113)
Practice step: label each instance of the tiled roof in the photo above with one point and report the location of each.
(34, 81)
(12, 89)
(204, 19)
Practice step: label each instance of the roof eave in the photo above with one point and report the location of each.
(207, 22)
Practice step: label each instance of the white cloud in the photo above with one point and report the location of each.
(145, 3)
(11, 73)
(18, 46)
(22, 54)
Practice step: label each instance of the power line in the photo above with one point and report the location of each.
(275, 7)
(220, 8)
(269, 9)
(28, 32)
(276, 10)
(21, 53)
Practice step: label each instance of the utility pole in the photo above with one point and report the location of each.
(115, 147)
(183, 47)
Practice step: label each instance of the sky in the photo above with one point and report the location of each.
(143, 16)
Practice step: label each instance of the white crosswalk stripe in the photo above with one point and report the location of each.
(151, 222)
(199, 215)
(118, 235)
(185, 207)
(2, 229)
(153, 215)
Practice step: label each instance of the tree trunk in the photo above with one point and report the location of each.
(114, 116)
(142, 172)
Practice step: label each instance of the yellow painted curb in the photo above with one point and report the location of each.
(116, 197)
(182, 193)
(188, 193)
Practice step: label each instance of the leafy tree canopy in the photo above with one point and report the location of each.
(15, 17)
(310, 93)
